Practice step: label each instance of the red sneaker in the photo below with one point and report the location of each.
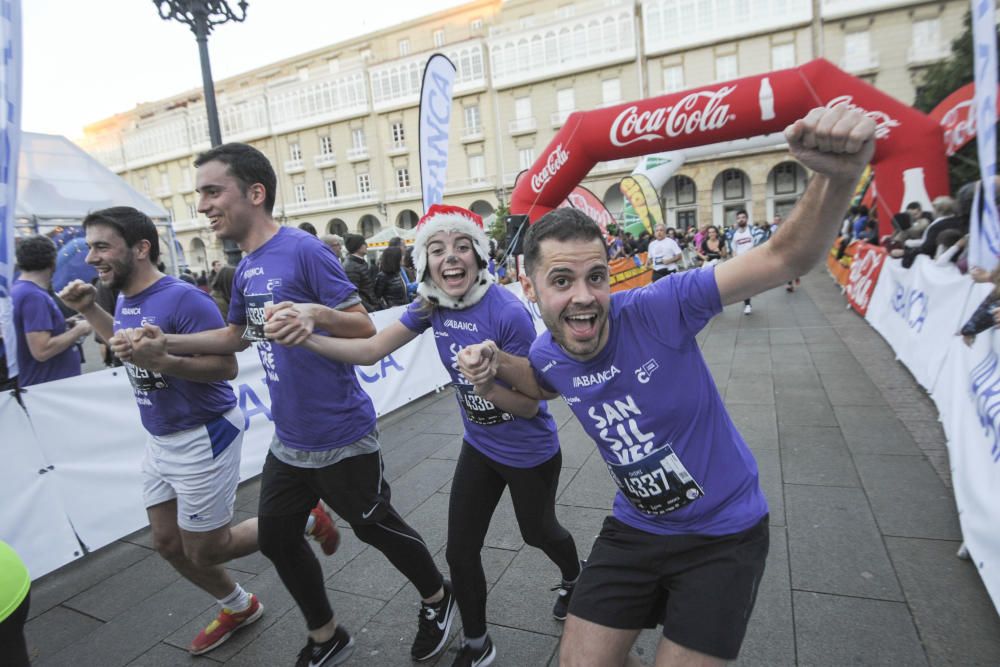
(224, 625)
(325, 530)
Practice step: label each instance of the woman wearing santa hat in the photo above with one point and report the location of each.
(510, 440)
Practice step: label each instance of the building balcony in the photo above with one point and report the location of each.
(408, 192)
(925, 54)
(329, 203)
(396, 148)
(833, 9)
(623, 164)
(597, 34)
(357, 153)
(163, 191)
(675, 25)
(522, 126)
(469, 184)
(470, 134)
(325, 160)
(294, 166)
(189, 225)
(609, 103)
(397, 83)
(559, 117)
(859, 63)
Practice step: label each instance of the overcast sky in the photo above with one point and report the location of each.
(85, 60)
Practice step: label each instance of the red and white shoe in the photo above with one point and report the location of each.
(324, 530)
(224, 625)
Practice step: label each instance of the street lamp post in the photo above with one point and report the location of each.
(201, 16)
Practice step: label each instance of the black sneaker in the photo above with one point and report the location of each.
(561, 607)
(434, 626)
(333, 651)
(470, 657)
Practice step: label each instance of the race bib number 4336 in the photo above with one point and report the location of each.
(658, 483)
(478, 410)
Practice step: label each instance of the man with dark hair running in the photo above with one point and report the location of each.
(192, 461)
(46, 346)
(686, 544)
(326, 441)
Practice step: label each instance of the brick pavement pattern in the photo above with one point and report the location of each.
(852, 460)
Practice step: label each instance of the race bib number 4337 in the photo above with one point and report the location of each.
(658, 483)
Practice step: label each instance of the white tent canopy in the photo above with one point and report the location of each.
(58, 180)
(387, 234)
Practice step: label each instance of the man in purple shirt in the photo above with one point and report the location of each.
(46, 346)
(192, 461)
(687, 540)
(326, 441)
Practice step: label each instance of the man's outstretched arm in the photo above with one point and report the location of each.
(836, 144)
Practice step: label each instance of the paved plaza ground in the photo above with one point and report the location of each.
(852, 459)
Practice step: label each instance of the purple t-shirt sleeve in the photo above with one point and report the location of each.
(516, 330)
(37, 313)
(679, 306)
(535, 354)
(415, 318)
(237, 308)
(322, 270)
(197, 312)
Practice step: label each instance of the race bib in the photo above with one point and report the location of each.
(478, 410)
(658, 483)
(255, 304)
(143, 380)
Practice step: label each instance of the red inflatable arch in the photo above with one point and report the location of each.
(909, 144)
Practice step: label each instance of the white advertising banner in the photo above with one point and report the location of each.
(984, 227)
(88, 428)
(968, 398)
(85, 432)
(916, 310)
(435, 117)
(10, 149)
(32, 517)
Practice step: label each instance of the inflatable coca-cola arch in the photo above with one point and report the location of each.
(909, 144)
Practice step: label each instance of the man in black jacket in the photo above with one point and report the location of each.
(357, 270)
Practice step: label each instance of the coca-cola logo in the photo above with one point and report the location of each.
(864, 272)
(702, 111)
(883, 121)
(557, 158)
(959, 126)
(598, 215)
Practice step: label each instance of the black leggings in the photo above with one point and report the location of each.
(356, 490)
(478, 485)
(13, 649)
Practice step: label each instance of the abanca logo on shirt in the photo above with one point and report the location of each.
(132, 311)
(464, 326)
(600, 377)
(255, 271)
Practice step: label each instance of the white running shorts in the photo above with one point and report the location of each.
(200, 467)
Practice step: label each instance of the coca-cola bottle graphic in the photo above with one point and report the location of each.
(766, 99)
(914, 189)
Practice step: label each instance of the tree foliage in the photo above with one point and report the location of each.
(939, 81)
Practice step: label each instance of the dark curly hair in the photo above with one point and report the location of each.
(131, 224)
(36, 253)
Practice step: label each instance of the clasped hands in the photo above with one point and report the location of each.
(479, 364)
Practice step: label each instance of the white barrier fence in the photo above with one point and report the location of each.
(918, 311)
(71, 456)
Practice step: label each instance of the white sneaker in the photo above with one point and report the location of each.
(747, 309)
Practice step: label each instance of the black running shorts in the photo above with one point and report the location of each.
(700, 588)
